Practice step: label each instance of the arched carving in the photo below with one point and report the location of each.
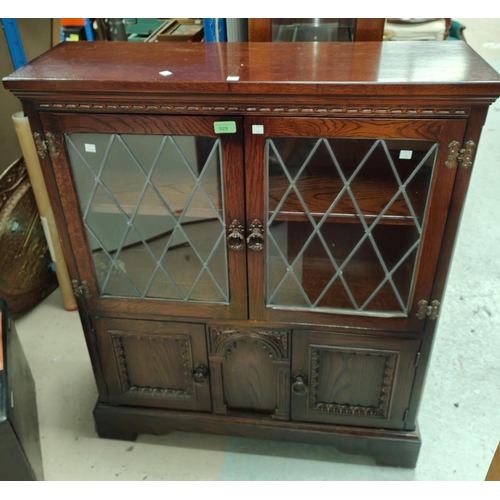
(274, 342)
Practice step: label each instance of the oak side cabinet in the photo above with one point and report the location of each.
(259, 241)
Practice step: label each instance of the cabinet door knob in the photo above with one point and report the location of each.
(235, 238)
(299, 386)
(200, 375)
(255, 240)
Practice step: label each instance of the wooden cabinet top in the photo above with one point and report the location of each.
(355, 69)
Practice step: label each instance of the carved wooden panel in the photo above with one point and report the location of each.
(352, 379)
(154, 383)
(153, 363)
(274, 342)
(250, 371)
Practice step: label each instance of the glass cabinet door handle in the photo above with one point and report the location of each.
(255, 240)
(235, 238)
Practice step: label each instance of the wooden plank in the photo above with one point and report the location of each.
(260, 30)
(369, 29)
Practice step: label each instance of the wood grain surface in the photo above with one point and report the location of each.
(363, 68)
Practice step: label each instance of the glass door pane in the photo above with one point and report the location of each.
(153, 211)
(344, 219)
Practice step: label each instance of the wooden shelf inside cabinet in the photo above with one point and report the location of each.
(175, 191)
(364, 177)
(371, 193)
(341, 218)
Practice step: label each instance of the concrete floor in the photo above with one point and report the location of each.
(459, 416)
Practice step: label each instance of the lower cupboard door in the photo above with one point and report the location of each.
(360, 380)
(250, 372)
(154, 363)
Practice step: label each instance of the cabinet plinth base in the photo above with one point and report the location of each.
(391, 448)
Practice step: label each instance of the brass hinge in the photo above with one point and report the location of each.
(453, 151)
(41, 146)
(467, 154)
(51, 141)
(462, 156)
(431, 311)
(82, 290)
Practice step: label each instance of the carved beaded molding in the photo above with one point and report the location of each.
(155, 392)
(355, 110)
(275, 343)
(380, 411)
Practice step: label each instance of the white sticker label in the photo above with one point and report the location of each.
(166, 73)
(257, 129)
(90, 148)
(405, 154)
(232, 78)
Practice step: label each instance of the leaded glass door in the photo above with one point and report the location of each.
(344, 213)
(156, 197)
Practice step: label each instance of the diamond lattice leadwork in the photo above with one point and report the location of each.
(154, 214)
(345, 199)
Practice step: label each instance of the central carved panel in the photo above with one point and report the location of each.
(250, 371)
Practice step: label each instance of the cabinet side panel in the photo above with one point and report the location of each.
(63, 230)
(458, 197)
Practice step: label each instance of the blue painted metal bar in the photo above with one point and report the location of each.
(89, 32)
(14, 42)
(211, 33)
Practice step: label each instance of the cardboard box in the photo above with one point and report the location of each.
(182, 30)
